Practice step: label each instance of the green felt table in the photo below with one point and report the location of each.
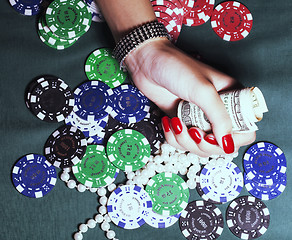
(263, 59)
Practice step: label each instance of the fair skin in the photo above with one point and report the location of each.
(166, 75)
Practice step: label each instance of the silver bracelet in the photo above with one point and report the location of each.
(136, 37)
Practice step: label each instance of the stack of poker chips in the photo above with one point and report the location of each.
(63, 23)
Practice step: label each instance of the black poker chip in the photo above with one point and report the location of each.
(113, 126)
(151, 128)
(65, 147)
(201, 220)
(247, 217)
(50, 99)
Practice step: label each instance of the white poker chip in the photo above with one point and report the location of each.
(127, 206)
(156, 220)
(221, 183)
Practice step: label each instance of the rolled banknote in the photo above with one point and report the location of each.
(245, 107)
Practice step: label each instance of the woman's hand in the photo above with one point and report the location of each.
(166, 75)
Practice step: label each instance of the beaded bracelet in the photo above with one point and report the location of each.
(138, 36)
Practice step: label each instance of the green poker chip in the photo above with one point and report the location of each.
(128, 150)
(95, 170)
(101, 65)
(68, 18)
(50, 39)
(169, 193)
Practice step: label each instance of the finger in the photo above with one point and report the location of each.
(168, 134)
(240, 139)
(184, 138)
(208, 142)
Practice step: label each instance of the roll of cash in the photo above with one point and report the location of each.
(245, 107)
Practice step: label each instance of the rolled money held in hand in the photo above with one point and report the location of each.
(245, 107)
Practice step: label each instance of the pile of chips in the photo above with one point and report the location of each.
(63, 23)
(35, 7)
(110, 126)
(230, 20)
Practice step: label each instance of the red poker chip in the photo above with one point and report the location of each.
(178, 19)
(169, 8)
(187, 5)
(169, 24)
(231, 20)
(177, 3)
(199, 13)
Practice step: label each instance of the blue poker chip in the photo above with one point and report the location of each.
(264, 163)
(127, 206)
(129, 104)
(26, 7)
(97, 139)
(263, 191)
(33, 176)
(93, 100)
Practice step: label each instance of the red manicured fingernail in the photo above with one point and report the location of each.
(195, 135)
(166, 123)
(176, 125)
(228, 144)
(211, 139)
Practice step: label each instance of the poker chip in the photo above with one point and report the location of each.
(33, 176)
(101, 65)
(95, 170)
(187, 5)
(93, 100)
(51, 100)
(89, 128)
(128, 150)
(51, 39)
(30, 87)
(169, 8)
(231, 21)
(68, 18)
(221, 183)
(26, 7)
(156, 220)
(95, 11)
(65, 147)
(172, 27)
(264, 163)
(114, 125)
(264, 191)
(247, 217)
(129, 104)
(127, 205)
(201, 192)
(96, 140)
(169, 193)
(199, 13)
(151, 128)
(201, 220)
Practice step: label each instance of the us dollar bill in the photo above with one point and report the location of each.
(245, 107)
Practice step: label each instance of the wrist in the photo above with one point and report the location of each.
(148, 50)
(138, 37)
